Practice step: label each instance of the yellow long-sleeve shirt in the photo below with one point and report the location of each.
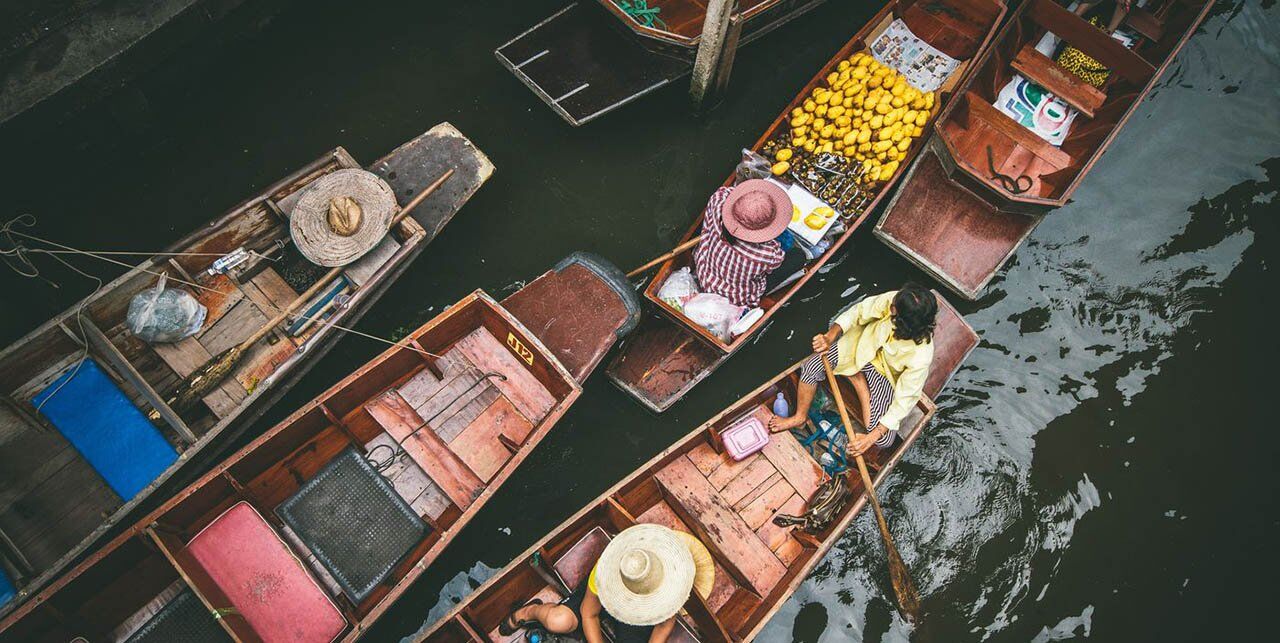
(868, 339)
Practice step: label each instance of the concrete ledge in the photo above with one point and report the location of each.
(103, 47)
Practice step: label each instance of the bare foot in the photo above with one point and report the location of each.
(780, 424)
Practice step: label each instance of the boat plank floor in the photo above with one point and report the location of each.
(662, 514)
(526, 393)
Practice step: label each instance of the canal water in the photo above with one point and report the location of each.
(1103, 464)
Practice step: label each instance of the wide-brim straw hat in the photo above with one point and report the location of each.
(756, 210)
(325, 226)
(645, 575)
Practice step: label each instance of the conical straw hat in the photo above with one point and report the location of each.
(645, 575)
(341, 216)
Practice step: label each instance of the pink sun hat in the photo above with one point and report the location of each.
(756, 211)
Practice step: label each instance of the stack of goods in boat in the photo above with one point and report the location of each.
(314, 529)
(890, 80)
(1041, 107)
(113, 394)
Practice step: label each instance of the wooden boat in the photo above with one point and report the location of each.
(75, 465)
(315, 528)
(591, 58)
(694, 487)
(955, 217)
(668, 354)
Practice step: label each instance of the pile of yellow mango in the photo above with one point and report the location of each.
(866, 111)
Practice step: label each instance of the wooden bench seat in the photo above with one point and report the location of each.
(1072, 89)
(715, 522)
(1145, 23)
(575, 564)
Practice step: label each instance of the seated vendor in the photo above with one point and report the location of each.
(636, 588)
(739, 256)
(885, 340)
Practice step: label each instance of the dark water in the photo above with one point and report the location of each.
(1103, 465)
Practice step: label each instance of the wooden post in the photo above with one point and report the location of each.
(716, 49)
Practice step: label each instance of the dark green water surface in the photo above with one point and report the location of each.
(1103, 466)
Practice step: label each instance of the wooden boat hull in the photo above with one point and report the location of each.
(667, 356)
(444, 418)
(585, 61)
(953, 218)
(694, 487)
(42, 534)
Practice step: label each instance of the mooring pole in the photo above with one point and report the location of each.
(716, 49)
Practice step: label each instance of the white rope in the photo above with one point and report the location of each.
(19, 251)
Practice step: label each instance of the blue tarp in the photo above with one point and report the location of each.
(106, 428)
(6, 588)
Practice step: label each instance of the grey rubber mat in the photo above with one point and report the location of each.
(354, 522)
(183, 619)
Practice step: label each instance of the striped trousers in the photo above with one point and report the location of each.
(881, 389)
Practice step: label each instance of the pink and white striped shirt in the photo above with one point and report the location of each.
(731, 267)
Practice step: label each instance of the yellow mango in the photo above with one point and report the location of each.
(880, 146)
(898, 102)
(887, 171)
(918, 103)
(828, 130)
(832, 78)
(882, 109)
(884, 134)
(809, 106)
(917, 132)
(857, 123)
(864, 135)
(836, 98)
(798, 141)
(800, 131)
(783, 154)
(885, 99)
(810, 145)
(869, 104)
(842, 65)
(904, 144)
(847, 103)
(928, 100)
(860, 73)
(835, 111)
(891, 116)
(843, 121)
(850, 139)
(899, 135)
(780, 168)
(877, 121)
(910, 116)
(874, 82)
(819, 123)
(826, 148)
(921, 119)
(864, 147)
(799, 111)
(821, 110)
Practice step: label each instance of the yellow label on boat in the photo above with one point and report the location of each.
(519, 348)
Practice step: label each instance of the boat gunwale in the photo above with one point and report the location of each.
(255, 402)
(1044, 204)
(353, 630)
(683, 444)
(811, 269)
(676, 39)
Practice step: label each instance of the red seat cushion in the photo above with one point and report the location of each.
(266, 583)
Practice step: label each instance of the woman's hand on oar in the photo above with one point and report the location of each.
(908, 597)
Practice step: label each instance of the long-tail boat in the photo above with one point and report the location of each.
(985, 181)
(86, 429)
(310, 532)
(695, 487)
(591, 58)
(668, 355)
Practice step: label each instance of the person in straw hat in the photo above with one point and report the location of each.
(642, 579)
(341, 216)
(739, 256)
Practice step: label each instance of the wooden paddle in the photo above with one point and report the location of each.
(908, 597)
(203, 380)
(674, 251)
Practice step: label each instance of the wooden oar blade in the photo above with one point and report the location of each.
(908, 597)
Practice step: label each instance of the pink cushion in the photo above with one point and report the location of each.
(270, 588)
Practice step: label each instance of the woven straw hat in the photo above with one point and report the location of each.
(341, 216)
(756, 211)
(644, 575)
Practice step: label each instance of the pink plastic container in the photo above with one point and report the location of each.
(745, 437)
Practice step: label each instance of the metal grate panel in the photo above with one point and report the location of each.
(183, 619)
(354, 522)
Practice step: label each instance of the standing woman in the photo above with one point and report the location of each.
(886, 340)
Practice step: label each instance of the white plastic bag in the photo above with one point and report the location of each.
(678, 287)
(162, 315)
(713, 312)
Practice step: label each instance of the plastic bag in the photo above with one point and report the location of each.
(678, 287)
(162, 315)
(712, 312)
(753, 166)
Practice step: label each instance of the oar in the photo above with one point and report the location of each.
(674, 251)
(908, 598)
(204, 379)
